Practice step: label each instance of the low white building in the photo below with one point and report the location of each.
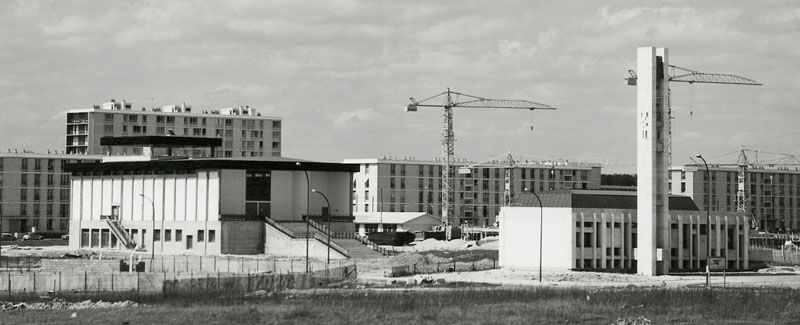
(597, 230)
(199, 206)
(394, 221)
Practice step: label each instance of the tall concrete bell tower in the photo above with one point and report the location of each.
(652, 160)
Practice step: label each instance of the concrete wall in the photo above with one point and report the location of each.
(519, 238)
(289, 194)
(281, 244)
(233, 186)
(166, 283)
(242, 237)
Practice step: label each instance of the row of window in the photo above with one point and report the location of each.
(226, 122)
(38, 163)
(201, 236)
(63, 194)
(102, 238)
(37, 179)
(23, 210)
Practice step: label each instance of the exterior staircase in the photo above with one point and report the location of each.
(359, 248)
(119, 231)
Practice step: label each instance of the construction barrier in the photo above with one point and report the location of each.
(428, 268)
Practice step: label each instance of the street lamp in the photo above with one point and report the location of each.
(308, 231)
(328, 205)
(708, 222)
(153, 235)
(541, 231)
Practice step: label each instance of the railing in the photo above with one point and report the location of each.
(119, 231)
(334, 234)
(303, 234)
(383, 251)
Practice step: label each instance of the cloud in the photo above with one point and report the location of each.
(355, 117)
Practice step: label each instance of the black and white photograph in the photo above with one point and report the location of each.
(399, 162)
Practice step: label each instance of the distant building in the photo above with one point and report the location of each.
(407, 185)
(244, 132)
(597, 231)
(772, 196)
(35, 191)
(367, 222)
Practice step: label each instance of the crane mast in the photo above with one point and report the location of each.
(448, 137)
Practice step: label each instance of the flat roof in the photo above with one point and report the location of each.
(161, 140)
(598, 199)
(187, 114)
(464, 163)
(208, 163)
(392, 217)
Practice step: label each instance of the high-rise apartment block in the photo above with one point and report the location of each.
(772, 195)
(35, 191)
(244, 132)
(407, 185)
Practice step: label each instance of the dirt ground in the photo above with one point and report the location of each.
(373, 270)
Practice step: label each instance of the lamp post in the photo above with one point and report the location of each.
(153, 235)
(541, 231)
(328, 205)
(308, 231)
(708, 222)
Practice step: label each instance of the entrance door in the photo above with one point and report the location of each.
(189, 242)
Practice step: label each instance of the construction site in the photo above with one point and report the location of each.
(156, 210)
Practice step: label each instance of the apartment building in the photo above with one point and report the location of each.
(35, 191)
(409, 185)
(772, 195)
(244, 132)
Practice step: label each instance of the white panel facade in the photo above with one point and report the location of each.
(169, 197)
(213, 195)
(191, 199)
(180, 198)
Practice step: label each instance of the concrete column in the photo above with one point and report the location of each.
(652, 156)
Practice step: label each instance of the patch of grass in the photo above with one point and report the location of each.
(471, 305)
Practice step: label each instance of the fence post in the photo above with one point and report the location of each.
(274, 265)
(215, 264)
(437, 267)
(86, 282)
(59, 281)
(9, 281)
(112, 281)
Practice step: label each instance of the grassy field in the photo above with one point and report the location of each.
(481, 305)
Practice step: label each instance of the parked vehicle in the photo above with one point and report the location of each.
(32, 236)
(7, 237)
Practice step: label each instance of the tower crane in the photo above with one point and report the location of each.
(452, 100)
(678, 74)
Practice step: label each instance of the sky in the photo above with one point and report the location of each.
(340, 73)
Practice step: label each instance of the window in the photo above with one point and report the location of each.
(212, 236)
(37, 180)
(36, 194)
(201, 236)
(23, 209)
(35, 210)
(108, 129)
(159, 119)
(24, 164)
(168, 235)
(276, 124)
(50, 179)
(23, 195)
(157, 235)
(178, 235)
(37, 165)
(50, 164)
(171, 119)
